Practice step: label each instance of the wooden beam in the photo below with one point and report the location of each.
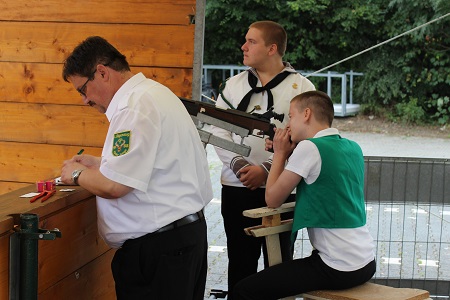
(143, 45)
(265, 211)
(369, 291)
(259, 231)
(131, 11)
(43, 83)
(32, 162)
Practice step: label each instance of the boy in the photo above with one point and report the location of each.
(328, 172)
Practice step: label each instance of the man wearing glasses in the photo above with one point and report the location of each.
(152, 181)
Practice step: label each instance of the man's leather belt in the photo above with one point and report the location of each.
(183, 221)
(176, 224)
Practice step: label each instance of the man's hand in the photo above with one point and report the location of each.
(252, 177)
(87, 160)
(269, 144)
(68, 167)
(78, 162)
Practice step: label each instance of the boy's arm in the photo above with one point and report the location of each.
(280, 182)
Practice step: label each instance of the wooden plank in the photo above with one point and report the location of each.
(80, 243)
(11, 204)
(75, 215)
(131, 11)
(273, 249)
(143, 45)
(43, 83)
(6, 187)
(369, 291)
(4, 265)
(92, 281)
(259, 231)
(23, 162)
(53, 124)
(272, 220)
(265, 211)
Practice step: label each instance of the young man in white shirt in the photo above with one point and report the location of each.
(268, 83)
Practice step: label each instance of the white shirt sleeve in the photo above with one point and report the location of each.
(305, 161)
(143, 145)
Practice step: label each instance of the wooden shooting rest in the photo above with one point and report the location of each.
(272, 226)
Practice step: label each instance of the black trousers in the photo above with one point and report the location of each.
(299, 276)
(244, 251)
(171, 265)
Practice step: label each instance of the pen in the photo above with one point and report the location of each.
(80, 152)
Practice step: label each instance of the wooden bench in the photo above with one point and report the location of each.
(272, 226)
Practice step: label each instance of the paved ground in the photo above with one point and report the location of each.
(371, 144)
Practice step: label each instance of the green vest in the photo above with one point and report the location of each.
(336, 198)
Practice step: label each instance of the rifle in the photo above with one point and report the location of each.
(238, 122)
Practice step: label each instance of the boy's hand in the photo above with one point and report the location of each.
(282, 143)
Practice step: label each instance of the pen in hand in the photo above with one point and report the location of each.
(58, 179)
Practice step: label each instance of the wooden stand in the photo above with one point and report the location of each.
(272, 226)
(75, 266)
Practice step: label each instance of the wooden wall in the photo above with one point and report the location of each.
(42, 118)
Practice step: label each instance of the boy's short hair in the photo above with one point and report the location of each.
(272, 33)
(319, 102)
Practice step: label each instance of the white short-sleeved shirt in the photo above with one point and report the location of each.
(343, 249)
(153, 146)
(235, 89)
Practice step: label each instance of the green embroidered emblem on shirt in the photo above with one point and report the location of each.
(121, 143)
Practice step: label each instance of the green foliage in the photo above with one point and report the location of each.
(408, 113)
(319, 31)
(441, 108)
(227, 22)
(416, 65)
(413, 69)
(372, 109)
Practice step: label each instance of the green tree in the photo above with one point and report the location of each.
(319, 31)
(413, 70)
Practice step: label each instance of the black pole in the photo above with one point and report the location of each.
(28, 257)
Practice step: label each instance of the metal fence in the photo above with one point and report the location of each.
(345, 108)
(408, 214)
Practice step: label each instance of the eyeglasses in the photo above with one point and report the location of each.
(82, 89)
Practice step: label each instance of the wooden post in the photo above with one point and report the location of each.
(271, 228)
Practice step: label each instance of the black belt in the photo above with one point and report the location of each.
(183, 221)
(176, 224)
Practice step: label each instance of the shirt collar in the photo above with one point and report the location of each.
(121, 94)
(326, 132)
(287, 67)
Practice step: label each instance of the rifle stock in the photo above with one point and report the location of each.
(238, 118)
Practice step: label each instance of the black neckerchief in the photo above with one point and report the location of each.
(252, 80)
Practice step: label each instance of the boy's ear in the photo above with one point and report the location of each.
(307, 113)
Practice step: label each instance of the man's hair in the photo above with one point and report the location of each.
(319, 102)
(272, 33)
(88, 54)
